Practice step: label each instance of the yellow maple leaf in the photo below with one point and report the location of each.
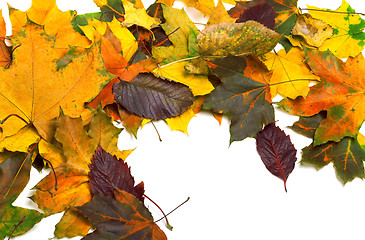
(204, 6)
(34, 89)
(348, 37)
(47, 13)
(291, 76)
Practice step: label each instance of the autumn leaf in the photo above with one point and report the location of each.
(262, 12)
(291, 76)
(25, 93)
(276, 151)
(152, 97)
(340, 93)
(236, 39)
(348, 36)
(204, 6)
(347, 155)
(138, 16)
(14, 176)
(123, 217)
(108, 173)
(246, 101)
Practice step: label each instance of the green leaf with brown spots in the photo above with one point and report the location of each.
(237, 39)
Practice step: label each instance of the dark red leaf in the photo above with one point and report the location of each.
(152, 97)
(107, 173)
(262, 12)
(276, 151)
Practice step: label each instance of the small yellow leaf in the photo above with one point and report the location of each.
(219, 15)
(180, 123)
(199, 84)
(137, 16)
(93, 30)
(128, 41)
(204, 6)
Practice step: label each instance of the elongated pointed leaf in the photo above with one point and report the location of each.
(236, 39)
(276, 151)
(152, 97)
(107, 173)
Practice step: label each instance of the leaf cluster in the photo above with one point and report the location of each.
(66, 78)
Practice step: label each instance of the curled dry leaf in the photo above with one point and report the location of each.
(152, 97)
(276, 151)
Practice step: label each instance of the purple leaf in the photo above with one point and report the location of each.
(276, 151)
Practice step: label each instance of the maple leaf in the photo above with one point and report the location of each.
(137, 16)
(14, 176)
(25, 92)
(291, 75)
(204, 6)
(340, 93)
(348, 37)
(245, 99)
(124, 217)
(285, 13)
(108, 173)
(152, 97)
(347, 155)
(236, 39)
(276, 151)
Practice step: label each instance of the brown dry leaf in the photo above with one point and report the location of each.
(312, 30)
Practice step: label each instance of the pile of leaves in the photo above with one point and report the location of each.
(65, 78)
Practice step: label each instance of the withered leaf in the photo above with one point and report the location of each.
(152, 97)
(276, 151)
(122, 218)
(107, 173)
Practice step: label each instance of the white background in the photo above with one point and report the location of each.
(232, 194)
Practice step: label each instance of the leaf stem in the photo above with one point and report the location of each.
(54, 173)
(158, 134)
(21, 221)
(164, 215)
(173, 209)
(180, 60)
(13, 115)
(332, 11)
(294, 80)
